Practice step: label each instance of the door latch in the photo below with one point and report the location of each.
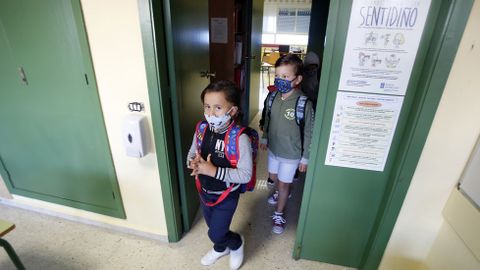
(207, 74)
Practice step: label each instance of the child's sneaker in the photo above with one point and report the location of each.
(278, 223)
(270, 183)
(212, 256)
(236, 256)
(273, 200)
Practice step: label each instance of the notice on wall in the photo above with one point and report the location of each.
(382, 42)
(362, 130)
(219, 30)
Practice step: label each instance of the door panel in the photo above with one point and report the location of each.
(341, 205)
(188, 42)
(222, 54)
(53, 143)
(253, 60)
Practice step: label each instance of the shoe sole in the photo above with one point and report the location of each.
(215, 260)
(277, 231)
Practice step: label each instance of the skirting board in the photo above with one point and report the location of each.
(86, 221)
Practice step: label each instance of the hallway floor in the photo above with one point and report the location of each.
(48, 242)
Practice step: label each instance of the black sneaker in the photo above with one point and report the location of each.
(270, 182)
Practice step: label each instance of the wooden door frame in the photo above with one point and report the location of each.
(438, 62)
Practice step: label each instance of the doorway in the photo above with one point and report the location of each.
(182, 77)
(176, 45)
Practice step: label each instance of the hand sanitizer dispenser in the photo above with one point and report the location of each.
(134, 135)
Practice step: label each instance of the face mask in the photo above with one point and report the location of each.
(219, 122)
(283, 85)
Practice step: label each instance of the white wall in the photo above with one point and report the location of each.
(113, 31)
(452, 137)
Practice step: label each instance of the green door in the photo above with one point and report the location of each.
(53, 143)
(347, 213)
(254, 13)
(188, 51)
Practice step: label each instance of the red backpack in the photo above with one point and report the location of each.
(231, 153)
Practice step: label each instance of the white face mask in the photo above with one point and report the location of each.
(219, 122)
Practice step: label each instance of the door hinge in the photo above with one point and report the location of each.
(86, 79)
(113, 194)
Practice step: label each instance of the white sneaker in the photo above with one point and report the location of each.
(212, 256)
(236, 256)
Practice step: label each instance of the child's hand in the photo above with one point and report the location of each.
(302, 167)
(205, 167)
(263, 146)
(193, 164)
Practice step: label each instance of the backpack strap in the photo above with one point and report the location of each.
(300, 106)
(270, 99)
(200, 134)
(232, 145)
(219, 200)
(300, 110)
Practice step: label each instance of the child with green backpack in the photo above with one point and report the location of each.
(287, 133)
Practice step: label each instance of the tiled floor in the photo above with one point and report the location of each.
(47, 242)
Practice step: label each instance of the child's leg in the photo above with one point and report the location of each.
(283, 192)
(207, 213)
(219, 228)
(285, 179)
(273, 166)
(274, 177)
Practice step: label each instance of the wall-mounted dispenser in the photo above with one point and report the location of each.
(135, 135)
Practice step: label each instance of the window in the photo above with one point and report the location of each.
(286, 23)
(293, 20)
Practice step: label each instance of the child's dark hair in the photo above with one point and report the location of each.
(231, 91)
(291, 59)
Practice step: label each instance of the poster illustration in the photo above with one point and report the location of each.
(382, 43)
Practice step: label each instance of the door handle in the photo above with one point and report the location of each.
(23, 77)
(207, 74)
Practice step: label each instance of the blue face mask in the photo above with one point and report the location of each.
(283, 85)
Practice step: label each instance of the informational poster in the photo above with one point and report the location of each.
(362, 130)
(219, 30)
(382, 42)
